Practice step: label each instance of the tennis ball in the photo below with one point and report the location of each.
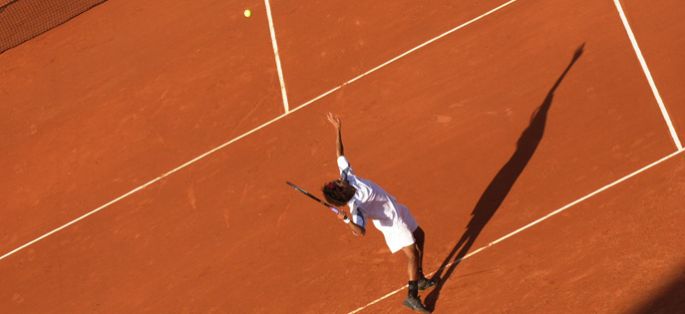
(247, 13)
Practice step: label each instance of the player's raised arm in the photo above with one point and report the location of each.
(337, 123)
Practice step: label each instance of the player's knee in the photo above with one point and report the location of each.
(411, 252)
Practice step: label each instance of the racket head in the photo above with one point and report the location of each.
(310, 195)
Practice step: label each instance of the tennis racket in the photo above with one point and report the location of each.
(310, 195)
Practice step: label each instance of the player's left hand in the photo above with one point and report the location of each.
(334, 120)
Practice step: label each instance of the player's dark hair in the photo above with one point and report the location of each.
(338, 194)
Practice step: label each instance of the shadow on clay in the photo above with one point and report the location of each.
(499, 187)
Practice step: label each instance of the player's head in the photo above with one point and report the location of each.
(338, 192)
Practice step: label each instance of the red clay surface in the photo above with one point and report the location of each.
(326, 44)
(619, 252)
(438, 129)
(120, 95)
(660, 31)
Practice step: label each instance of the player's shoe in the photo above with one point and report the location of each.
(414, 303)
(425, 283)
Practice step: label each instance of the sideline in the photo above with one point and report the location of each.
(648, 75)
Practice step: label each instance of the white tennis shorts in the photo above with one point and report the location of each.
(399, 235)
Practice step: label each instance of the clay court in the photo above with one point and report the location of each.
(146, 147)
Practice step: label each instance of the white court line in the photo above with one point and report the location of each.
(129, 193)
(413, 49)
(565, 207)
(284, 94)
(245, 134)
(648, 74)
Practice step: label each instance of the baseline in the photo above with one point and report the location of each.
(537, 221)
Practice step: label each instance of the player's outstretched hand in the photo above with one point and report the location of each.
(334, 120)
(579, 51)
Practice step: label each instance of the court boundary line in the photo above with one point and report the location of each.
(279, 117)
(452, 30)
(648, 74)
(274, 44)
(535, 222)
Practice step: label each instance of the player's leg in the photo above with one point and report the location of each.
(413, 300)
(412, 261)
(420, 238)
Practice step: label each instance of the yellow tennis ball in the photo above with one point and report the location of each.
(247, 13)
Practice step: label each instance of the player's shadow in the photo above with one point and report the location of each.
(499, 187)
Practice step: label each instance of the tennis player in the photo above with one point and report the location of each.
(368, 201)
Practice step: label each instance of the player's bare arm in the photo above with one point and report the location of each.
(337, 124)
(357, 230)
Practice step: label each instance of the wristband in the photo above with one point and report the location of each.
(346, 220)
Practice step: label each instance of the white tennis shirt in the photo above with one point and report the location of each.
(370, 201)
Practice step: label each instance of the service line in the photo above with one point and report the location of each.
(287, 112)
(539, 220)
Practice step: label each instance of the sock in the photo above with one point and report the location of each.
(414, 288)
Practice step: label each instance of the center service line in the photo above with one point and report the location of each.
(272, 31)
